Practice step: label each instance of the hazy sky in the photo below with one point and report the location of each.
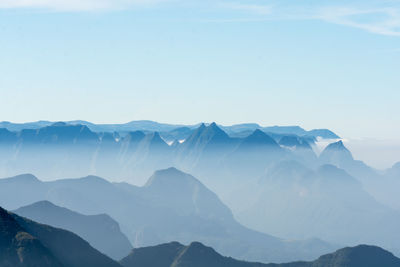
(318, 64)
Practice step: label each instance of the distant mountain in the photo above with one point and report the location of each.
(301, 149)
(296, 130)
(257, 150)
(205, 147)
(258, 139)
(305, 203)
(59, 133)
(286, 130)
(171, 206)
(26, 243)
(336, 153)
(124, 151)
(324, 133)
(101, 231)
(197, 255)
(152, 126)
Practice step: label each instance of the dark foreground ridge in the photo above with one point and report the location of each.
(197, 255)
(101, 231)
(25, 243)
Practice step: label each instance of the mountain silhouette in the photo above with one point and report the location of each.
(101, 231)
(19, 248)
(171, 206)
(26, 243)
(336, 153)
(305, 203)
(198, 255)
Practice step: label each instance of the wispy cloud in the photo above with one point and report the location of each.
(253, 8)
(385, 21)
(379, 17)
(375, 16)
(76, 5)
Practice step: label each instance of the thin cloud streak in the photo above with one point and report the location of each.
(76, 5)
(255, 9)
(355, 17)
(389, 24)
(382, 17)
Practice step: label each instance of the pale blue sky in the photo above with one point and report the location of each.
(317, 64)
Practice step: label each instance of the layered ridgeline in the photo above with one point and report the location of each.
(25, 243)
(101, 231)
(270, 177)
(172, 206)
(382, 185)
(197, 255)
(173, 129)
(325, 202)
(124, 152)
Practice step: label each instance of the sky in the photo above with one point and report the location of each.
(318, 64)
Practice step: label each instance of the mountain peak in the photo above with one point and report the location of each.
(337, 146)
(168, 177)
(205, 134)
(260, 137)
(362, 255)
(214, 125)
(170, 170)
(44, 203)
(336, 153)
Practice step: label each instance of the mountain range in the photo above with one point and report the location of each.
(171, 206)
(273, 180)
(327, 203)
(101, 231)
(197, 255)
(25, 243)
(152, 126)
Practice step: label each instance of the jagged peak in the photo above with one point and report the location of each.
(260, 137)
(213, 125)
(209, 132)
(339, 145)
